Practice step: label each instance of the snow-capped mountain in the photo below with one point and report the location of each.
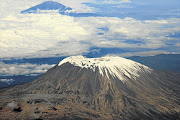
(108, 88)
(48, 7)
(109, 66)
(51, 7)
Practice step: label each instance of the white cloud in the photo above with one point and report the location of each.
(32, 34)
(45, 35)
(145, 34)
(22, 69)
(78, 6)
(6, 80)
(111, 1)
(145, 53)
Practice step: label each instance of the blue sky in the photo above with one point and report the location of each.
(139, 9)
(120, 27)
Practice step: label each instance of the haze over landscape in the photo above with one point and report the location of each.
(96, 54)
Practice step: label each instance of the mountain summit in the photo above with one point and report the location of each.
(108, 88)
(47, 6)
(109, 66)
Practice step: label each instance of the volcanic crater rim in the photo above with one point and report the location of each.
(109, 65)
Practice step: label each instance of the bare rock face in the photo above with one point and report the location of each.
(108, 88)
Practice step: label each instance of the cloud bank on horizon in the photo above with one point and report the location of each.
(23, 69)
(131, 25)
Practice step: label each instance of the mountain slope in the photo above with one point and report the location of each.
(96, 88)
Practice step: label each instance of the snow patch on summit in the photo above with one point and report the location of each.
(109, 65)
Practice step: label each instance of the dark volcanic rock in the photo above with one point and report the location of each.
(16, 110)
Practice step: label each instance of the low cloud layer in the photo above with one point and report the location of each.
(50, 35)
(22, 69)
(110, 1)
(6, 80)
(145, 53)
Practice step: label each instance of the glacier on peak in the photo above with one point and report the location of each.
(109, 65)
